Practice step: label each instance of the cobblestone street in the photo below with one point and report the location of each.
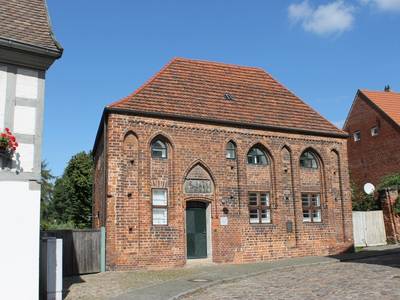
(373, 275)
(373, 278)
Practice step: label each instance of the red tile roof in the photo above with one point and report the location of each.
(388, 102)
(27, 21)
(196, 89)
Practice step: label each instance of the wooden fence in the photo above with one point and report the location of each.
(83, 250)
(368, 228)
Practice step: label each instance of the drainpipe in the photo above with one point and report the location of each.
(393, 225)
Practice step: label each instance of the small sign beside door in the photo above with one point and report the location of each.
(223, 221)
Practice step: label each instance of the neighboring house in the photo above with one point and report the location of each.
(27, 49)
(218, 161)
(374, 142)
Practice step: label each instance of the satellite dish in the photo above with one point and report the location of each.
(369, 188)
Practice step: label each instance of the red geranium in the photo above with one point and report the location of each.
(8, 141)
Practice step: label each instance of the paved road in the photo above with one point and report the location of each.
(370, 278)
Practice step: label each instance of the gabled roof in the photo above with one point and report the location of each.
(388, 102)
(27, 22)
(197, 90)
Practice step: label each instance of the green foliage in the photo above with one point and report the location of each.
(390, 181)
(46, 194)
(362, 201)
(72, 201)
(69, 203)
(53, 225)
(396, 206)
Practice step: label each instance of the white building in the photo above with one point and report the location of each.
(27, 49)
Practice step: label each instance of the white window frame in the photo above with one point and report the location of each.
(159, 204)
(159, 149)
(262, 206)
(357, 136)
(314, 210)
(375, 131)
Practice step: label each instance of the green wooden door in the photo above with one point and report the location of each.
(196, 230)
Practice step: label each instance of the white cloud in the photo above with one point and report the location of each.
(326, 19)
(385, 5)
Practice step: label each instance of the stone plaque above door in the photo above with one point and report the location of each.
(198, 181)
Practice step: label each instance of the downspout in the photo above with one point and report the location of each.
(296, 238)
(391, 215)
(238, 182)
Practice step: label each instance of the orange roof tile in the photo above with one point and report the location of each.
(388, 102)
(196, 89)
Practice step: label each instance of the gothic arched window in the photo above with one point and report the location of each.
(231, 150)
(159, 149)
(308, 160)
(256, 156)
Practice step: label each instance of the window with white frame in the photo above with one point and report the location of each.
(159, 149)
(231, 150)
(256, 156)
(311, 204)
(375, 131)
(259, 208)
(308, 160)
(159, 199)
(357, 136)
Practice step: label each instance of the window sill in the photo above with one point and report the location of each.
(159, 227)
(263, 224)
(319, 224)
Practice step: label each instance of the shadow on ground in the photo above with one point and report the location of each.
(388, 257)
(68, 281)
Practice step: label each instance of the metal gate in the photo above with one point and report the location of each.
(368, 228)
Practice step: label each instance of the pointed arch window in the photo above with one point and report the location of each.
(256, 156)
(308, 160)
(231, 150)
(159, 149)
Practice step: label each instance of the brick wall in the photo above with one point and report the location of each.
(99, 186)
(132, 240)
(391, 219)
(372, 157)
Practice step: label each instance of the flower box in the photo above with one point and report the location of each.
(8, 144)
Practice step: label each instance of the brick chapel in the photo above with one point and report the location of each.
(222, 162)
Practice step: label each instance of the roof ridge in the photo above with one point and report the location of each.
(380, 92)
(216, 63)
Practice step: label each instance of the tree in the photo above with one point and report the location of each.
(46, 195)
(72, 197)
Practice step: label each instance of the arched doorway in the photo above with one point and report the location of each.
(198, 221)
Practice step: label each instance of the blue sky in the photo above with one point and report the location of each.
(323, 51)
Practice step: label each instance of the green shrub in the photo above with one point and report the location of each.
(389, 181)
(396, 206)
